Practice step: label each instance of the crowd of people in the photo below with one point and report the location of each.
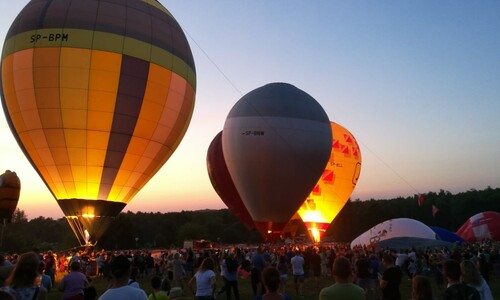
(357, 273)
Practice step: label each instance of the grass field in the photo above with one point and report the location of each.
(311, 289)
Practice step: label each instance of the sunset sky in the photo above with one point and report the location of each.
(416, 82)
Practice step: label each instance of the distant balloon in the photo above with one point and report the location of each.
(276, 143)
(223, 184)
(446, 235)
(10, 189)
(481, 226)
(394, 228)
(98, 95)
(335, 185)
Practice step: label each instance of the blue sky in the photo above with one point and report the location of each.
(416, 82)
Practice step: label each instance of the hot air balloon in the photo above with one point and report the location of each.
(98, 95)
(10, 189)
(223, 184)
(481, 226)
(276, 142)
(335, 185)
(394, 228)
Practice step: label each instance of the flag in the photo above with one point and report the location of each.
(420, 200)
(434, 210)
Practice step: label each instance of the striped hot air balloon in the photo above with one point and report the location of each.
(98, 94)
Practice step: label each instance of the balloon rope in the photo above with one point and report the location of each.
(213, 63)
(389, 167)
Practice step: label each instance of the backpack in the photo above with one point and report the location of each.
(231, 264)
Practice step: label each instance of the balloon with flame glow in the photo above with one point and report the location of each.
(336, 184)
(98, 95)
(276, 142)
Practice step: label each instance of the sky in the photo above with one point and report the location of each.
(416, 83)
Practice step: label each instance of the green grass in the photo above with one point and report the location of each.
(311, 290)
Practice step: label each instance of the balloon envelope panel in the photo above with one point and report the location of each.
(98, 95)
(276, 142)
(335, 185)
(222, 182)
(446, 235)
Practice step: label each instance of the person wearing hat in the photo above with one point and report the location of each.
(119, 289)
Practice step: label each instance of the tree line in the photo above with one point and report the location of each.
(168, 230)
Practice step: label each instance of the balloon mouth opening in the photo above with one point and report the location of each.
(89, 219)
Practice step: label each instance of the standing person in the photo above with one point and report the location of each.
(343, 289)
(100, 264)
(362, 267)
(24, 281)
(297, 263)
(374, 267)
(45, 279)
(457, 290)
(50, 266)
(390, 280)
(73, 283)
(119, 269)
(484, 265)
(315, 260)
(472, 277)
(205, 280)
(271, 280)
(178, 270)
(421, 288)
(283, 269)
(190, 262)
(231, 276)
(258, 265)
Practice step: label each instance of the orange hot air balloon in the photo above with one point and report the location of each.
(98, 95)
(335, 185)
(223, 184)
(276, 142)
(10, 189)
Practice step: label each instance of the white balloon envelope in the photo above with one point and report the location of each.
(394, 228)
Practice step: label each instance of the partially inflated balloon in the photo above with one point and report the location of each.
(481, 226)
(335, 185)
(276, 143)
(222, 182)
(10, 189)
(98, 95)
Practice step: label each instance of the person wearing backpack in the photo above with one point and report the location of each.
(457, 290)
(231, 276)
